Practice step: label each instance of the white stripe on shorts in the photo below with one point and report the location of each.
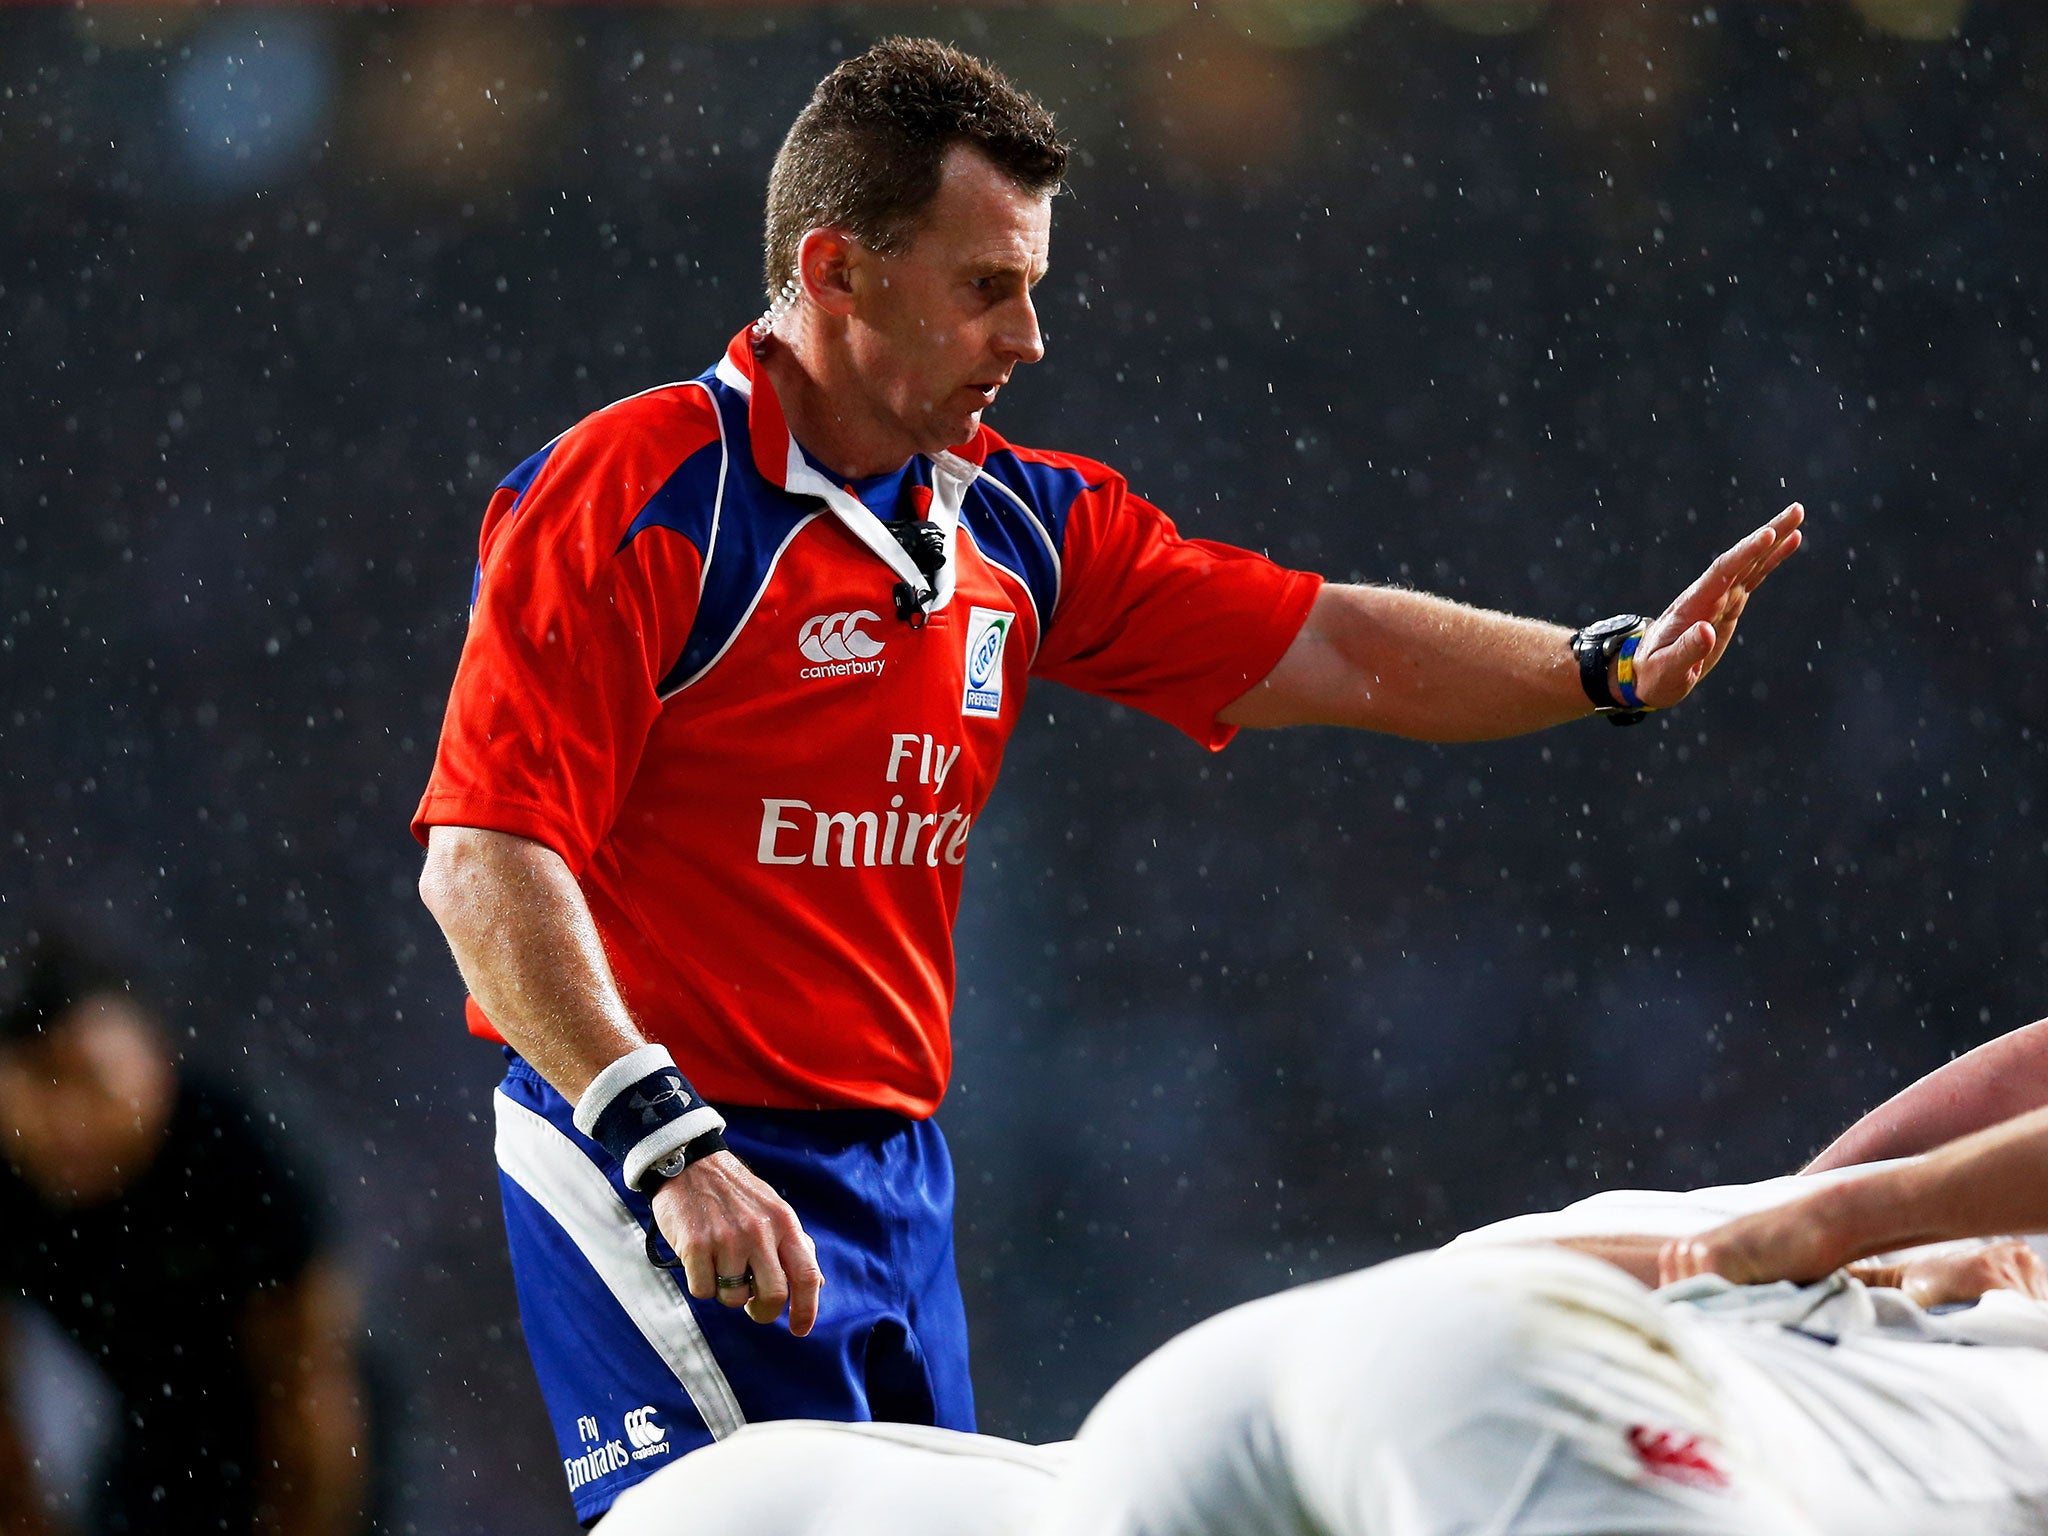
(568, 1186)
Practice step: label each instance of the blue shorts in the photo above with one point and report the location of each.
(636, 1372)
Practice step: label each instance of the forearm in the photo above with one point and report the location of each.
(313, 1483)
(1409, 664)
(1635, 1255)
(1997, 1081)
(523, 937)
(1991, 1182)
(301, 1344)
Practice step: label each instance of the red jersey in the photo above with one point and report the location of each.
(684, 674)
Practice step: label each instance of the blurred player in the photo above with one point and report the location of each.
(1500, 1386)
(141, 1211)
(811, 1478)
(743, 657)
(1511, 1385)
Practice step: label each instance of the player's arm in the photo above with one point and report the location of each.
(1993, 1181)
(1414, 665)
(525, 942)
(21, 1504)
(1998, 1080)
(1937, 1279)
(299, 1341)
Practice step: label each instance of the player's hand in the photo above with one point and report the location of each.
(1792, 1242)
(722, 1220)
(1682, 645)
(1943, 1279)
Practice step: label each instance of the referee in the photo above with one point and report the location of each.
(743, 656)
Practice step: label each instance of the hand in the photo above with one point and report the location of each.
(1942, 1279)
(722, 1220)
(1682, 646)
(1791, 1242)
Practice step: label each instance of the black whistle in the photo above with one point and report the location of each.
(925, 543)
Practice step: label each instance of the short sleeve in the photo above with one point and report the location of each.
(586, 588)
(1179, 628)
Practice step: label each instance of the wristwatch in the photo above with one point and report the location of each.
(1597, 646)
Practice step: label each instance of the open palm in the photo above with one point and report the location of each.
(1682, 644)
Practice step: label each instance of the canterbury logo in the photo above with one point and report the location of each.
(642, 1431)
(838, 637)
(1681, 1457)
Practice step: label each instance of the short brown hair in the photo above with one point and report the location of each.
(865, 154)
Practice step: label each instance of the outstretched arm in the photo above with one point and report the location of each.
(1938, 1278)
(1998, 1080)
(1424, 667)
(1991, 1182)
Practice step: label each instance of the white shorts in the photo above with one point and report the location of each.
(803, 1477)
(1536, 1392)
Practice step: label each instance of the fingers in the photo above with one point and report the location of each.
(733, 1228)
(1750, 560)
(1692, 648)
(2032, 1273)
(1789, 539)
(1680, 1259)
(786, 1274)
(698, 1266)
(1668, 673)
(2016, 1267)
(805, 1282)
(769, 1293)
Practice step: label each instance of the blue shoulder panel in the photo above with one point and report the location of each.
(1007, 536)
(522, 477)
(687, 502)
(517, 482)
(754, 519)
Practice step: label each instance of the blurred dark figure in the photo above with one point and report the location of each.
(145, 1214)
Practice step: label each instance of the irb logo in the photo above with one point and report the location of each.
(987, 629)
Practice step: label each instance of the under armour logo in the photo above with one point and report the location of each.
(651, 1105)
(838, 637)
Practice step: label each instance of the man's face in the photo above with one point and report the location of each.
(83, 1104)
(937, 330)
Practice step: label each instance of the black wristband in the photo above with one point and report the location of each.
(703, 1147)
(643, 1112)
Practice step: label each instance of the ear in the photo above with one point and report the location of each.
(825, 261)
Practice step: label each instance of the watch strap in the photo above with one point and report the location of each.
(1612, 641)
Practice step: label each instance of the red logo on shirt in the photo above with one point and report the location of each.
(1682, 1458)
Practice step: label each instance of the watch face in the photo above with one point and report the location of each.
(1606, 629)
(670, 1166)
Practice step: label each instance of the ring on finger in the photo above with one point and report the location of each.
(733, 1282)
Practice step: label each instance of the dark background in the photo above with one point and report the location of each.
(1535, 306)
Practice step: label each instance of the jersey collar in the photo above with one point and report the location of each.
(782, 463)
